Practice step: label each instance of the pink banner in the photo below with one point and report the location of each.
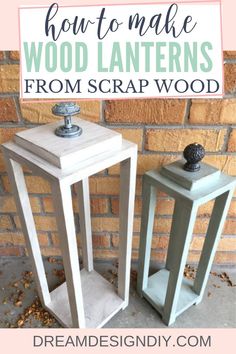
(199, 341)
(9, 18)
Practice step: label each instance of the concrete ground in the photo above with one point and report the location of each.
(19, 306)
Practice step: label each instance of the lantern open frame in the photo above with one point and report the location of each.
(167, 290)
(86, 300)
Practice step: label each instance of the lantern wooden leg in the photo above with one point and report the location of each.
(148, 213)
(214, 231)
(181, 233)
(66, 229)
(17, 181)
(172, 240)
(127, 196)
(85, 224)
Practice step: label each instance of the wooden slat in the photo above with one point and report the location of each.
(127, 196)
(18, 185)
(78, 171)
(85, 224)
(214, 231)
(66, 229)
(148, 212)
(181, 233)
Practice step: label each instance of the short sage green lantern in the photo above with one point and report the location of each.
(191, 184)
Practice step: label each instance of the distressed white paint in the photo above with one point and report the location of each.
(18, 185)
(85, 223)
(65, 152)
(100, 301)
(127, 196)
(86, 299)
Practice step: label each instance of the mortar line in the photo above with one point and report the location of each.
(187, 112)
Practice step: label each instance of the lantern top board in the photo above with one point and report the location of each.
(63, 153)
(191, 181)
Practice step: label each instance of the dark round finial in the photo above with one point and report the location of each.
(193, 153)
(66, 110)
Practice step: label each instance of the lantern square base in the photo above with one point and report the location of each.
(156, 289)
(100, 298)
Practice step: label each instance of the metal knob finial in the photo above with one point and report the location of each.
(66, 110)
(193, 153)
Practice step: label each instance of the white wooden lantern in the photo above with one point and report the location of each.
(86, 299)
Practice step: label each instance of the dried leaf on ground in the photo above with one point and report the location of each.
(189, 272)
(60, 273)
(37, 312)
(224, 277)
(54, 260)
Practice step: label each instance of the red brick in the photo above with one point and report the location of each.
(104, 185)
(213, 111)
(166, 207)
(101, 241)
(135, 135)
(2, 163)
(41, 112)
(49, 208)
(232, 209)
(9, 78)
(17, 239)
(43, 223)
(34, 184)
(159, 257)
(225, 163)
(176, 139)
(50, 251)
(98, 205)
(109, 185)
(7, 204)
(55, 239)
(231, 54)
(153, 111)
(110, 224)
(225, 244)
(10, 251)
(7, 134)
(230, 227)
(163, 225)
(159, 243)
(206, 209)
(15, 55)
(163, 207)
(230, 77)
(147, 162)
(104, 254)
(8, 110)
(225, 257)
(232, 141)
(5, 222)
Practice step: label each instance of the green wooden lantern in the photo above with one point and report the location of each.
(191, 184)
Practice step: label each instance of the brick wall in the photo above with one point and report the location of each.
(161, 128)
